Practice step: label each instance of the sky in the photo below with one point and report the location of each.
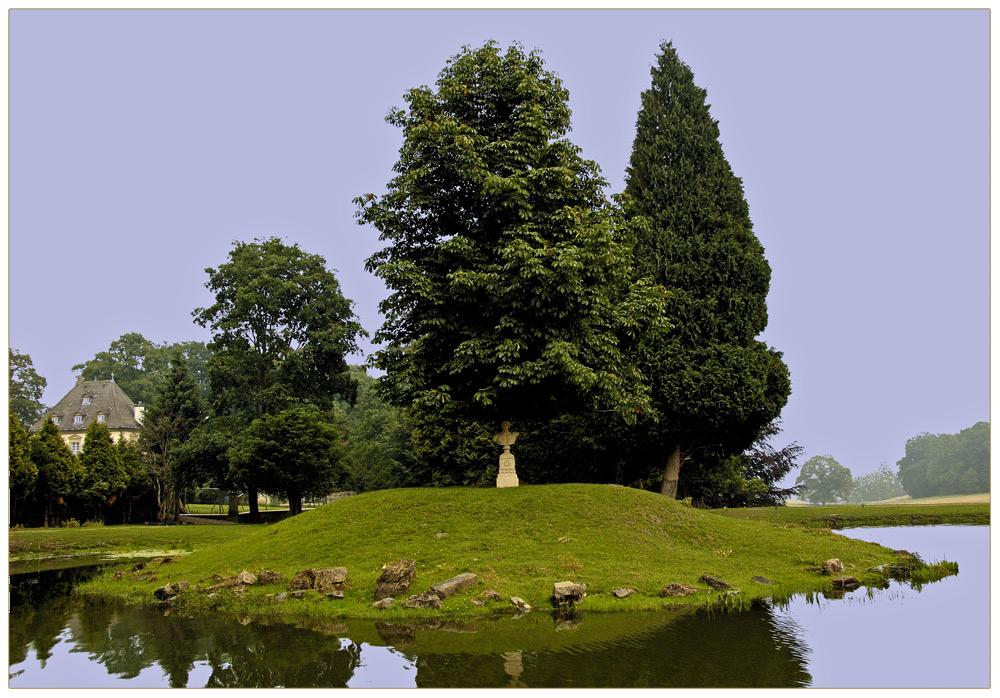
(143, 143)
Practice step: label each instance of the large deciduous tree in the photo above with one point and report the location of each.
(281, 329)
(26, 388)
(824, 480)
(176, 411)
(715, 386)
(511, 290)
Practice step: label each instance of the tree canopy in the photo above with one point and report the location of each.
(876, 487)
(26, 388)
(137, 364)
(824, 480)
(511, 291)
(939, 464)
(715, 386)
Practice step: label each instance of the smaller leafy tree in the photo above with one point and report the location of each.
(26, 389)
(104, 476)
(292, 453)
(824, 480)
(878, 486)
(751, 478)
(60, 473)
(22, 472)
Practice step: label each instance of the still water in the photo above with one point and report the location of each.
(937, 636)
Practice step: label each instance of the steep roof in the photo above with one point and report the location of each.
(104, 397)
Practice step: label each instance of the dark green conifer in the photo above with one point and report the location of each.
(715, 386)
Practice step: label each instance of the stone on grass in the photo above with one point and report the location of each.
(454, 585)
(335, 594)
(426, 600)
(714, 582)
(303, 579)
(477, 602)
(761, 580)
(520, 603)
(281, 597)
(165, 592)
(298, 594)
(247, 578)
(676, 589)
(327, 579)
(384, 603)
(395, 578)
(183, 586)
(492, 595)
(568, 593)
(833, 566)
(269, 577)
(440, 535)
(621, 593)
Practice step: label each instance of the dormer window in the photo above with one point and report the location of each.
(86, 400)
(100, 418)
(55, 420)
(78, 419)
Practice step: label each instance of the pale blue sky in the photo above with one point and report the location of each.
(143, 143)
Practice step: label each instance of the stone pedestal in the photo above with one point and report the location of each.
(507, 476)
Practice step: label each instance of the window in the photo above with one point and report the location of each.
(100, 418)
(75, 448)
(55, 420)
(78, 419)
(86, 400)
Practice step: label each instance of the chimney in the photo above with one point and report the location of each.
(79, 379)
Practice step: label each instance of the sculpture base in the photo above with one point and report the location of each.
(507, 480)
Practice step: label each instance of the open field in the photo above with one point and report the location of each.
(35, 543)
(944, 499)
(519, 541)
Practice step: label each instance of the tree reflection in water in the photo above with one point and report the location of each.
(748, 649)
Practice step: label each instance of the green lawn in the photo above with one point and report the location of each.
(519, 541)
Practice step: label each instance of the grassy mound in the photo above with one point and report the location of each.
(519, 541)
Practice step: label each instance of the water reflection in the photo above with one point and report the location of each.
(56, 637)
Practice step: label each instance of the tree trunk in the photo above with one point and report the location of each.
(672, 473)
(254, 507)
(294, 502)
(234, 506)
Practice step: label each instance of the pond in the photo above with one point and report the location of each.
(937, 636)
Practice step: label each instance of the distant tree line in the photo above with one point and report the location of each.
(934, 465)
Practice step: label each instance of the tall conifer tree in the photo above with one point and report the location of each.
(174, 414)
(715, 385)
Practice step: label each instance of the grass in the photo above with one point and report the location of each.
(519, 541)
(37, 543)
(897, 513)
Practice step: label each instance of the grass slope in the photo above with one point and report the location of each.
(519, 541)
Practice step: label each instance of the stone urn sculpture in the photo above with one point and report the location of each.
(506, 438)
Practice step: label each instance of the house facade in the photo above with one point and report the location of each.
(94, 401)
